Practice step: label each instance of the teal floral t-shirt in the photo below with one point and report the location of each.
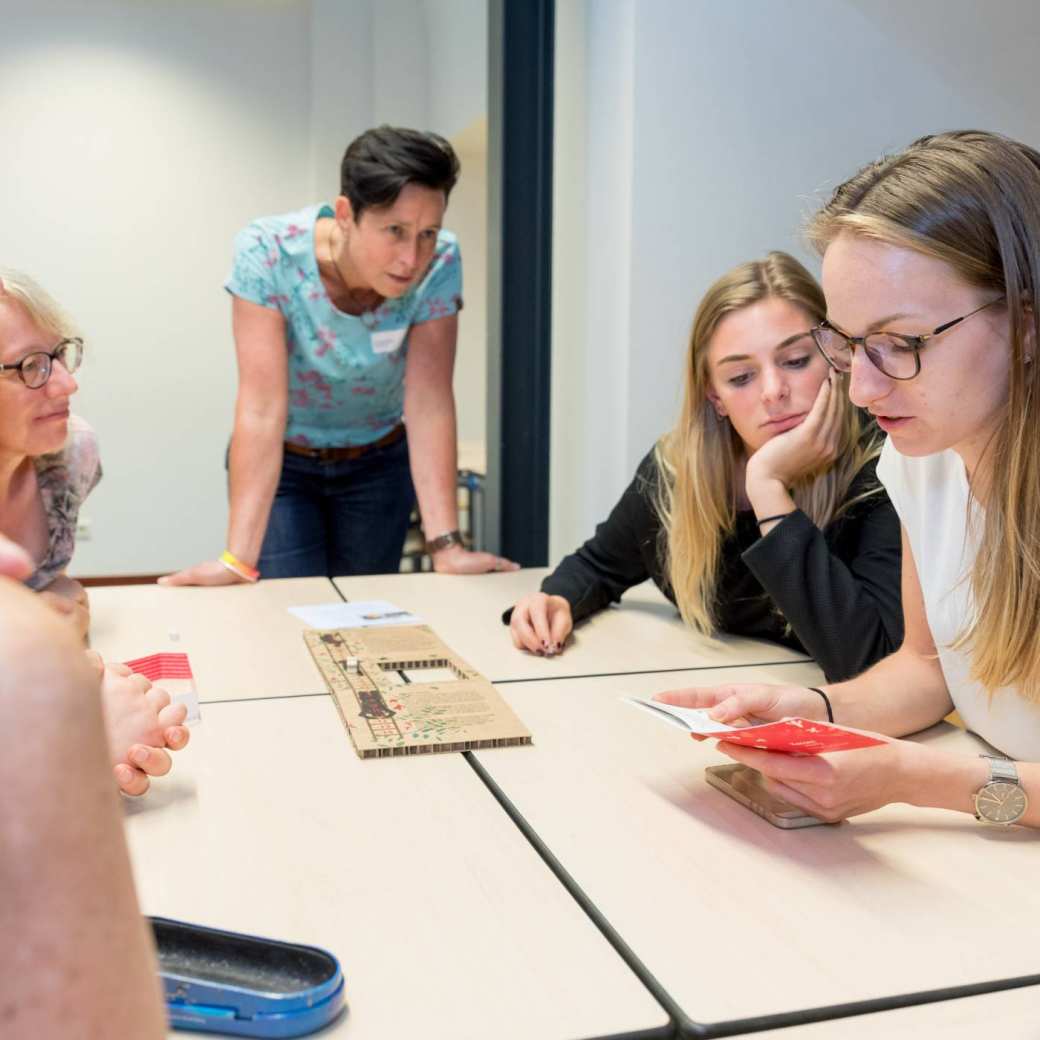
(346, 372)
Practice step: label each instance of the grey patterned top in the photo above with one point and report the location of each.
(65, 479)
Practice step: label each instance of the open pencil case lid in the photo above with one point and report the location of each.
(242, 985)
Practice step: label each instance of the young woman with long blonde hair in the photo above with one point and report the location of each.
(931, 266)
(759, 513)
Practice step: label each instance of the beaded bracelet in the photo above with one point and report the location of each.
(231, 562)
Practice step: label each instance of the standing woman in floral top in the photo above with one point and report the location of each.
(345, 322)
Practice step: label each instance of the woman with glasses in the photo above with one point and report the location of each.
(48, 466)
(48, 457)
(931, 268)
(759, 514)
(345, 319)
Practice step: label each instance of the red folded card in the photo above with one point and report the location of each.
(799, 736)
(161, 666)
(173, 673)
(792, 735)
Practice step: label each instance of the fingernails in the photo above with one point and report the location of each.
(124, 774)
(139, 755)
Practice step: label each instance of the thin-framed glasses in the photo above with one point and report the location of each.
(893, 353)
(35, 369)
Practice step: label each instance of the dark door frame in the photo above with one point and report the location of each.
(520, 150)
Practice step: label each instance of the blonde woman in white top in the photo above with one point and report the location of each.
(931, 270)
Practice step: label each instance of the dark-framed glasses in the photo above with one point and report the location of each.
(893, 353)
(35, 369)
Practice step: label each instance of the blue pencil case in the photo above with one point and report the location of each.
(242, 985)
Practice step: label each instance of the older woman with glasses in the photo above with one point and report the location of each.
(48, 465)
(950, 226)
(48, 457)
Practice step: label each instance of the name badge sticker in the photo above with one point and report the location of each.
(389, 341)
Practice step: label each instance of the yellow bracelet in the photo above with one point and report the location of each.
(236, 566)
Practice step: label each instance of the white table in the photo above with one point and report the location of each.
(240, 639)
(445, 921)
(644, 633)
(735, 918)
(1008, 1015)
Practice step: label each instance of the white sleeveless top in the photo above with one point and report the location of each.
(931, 496)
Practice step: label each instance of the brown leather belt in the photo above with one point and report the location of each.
(355, 451)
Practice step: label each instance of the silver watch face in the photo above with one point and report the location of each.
(1001, 802)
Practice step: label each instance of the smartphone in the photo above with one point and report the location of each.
(744, 784)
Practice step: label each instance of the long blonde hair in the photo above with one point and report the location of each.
(695, 491)
(972, 200)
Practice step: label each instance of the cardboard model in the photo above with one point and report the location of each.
(376, 677)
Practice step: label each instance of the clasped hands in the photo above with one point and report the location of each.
(141, 723)
(833, 786)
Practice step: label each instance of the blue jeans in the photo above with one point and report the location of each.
(336, 518)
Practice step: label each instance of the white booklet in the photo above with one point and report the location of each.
(690, 720)
(370, 613)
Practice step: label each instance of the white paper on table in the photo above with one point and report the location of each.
(368, 613)
(182, 691)
(690, 720)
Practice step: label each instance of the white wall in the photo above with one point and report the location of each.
(711, 130)
(467, 217)
(592, 263)
(137, 138)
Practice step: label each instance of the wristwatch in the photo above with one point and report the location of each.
(1001, 799)
(442, 541)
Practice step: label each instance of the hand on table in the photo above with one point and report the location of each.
(212, 572)
(458, 560)
(805, 449)
(141, 724)
(541, 624)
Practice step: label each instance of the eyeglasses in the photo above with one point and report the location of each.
(35, 369)
(898, 356)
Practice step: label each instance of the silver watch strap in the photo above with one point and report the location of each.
(1001, 769)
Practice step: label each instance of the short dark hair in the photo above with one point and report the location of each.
(379, 163)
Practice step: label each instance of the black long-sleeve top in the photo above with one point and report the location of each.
(834, 594)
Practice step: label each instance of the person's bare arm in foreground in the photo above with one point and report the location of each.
(76, 957)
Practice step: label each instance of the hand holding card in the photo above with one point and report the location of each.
(791, 735)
